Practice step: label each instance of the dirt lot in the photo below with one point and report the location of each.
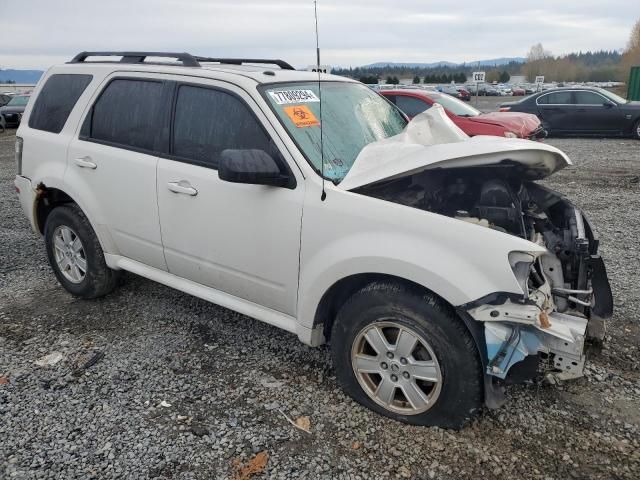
(180, 388)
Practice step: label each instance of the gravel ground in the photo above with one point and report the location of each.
(153, 383)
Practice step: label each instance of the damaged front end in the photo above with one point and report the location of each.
(566, 297)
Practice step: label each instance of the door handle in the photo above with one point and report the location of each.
(85, 162)
(183, 187)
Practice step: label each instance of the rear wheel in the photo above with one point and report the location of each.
(75, 254)
(405, 354)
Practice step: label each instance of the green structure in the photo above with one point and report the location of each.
(634, 84)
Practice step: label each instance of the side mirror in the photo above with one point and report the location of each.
(608, 104)
(255, 167)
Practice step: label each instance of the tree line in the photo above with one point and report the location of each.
(601, 66)
(460, 77)
(598, 66)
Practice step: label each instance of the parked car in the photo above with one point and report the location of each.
(470, 120)
(13, 110)
(518, 92)
(490, 91)
(452, 90)
(4, 99)
(464, 94)
(432, 262)
(581, 111)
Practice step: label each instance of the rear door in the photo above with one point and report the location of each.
(555, 109)
(595, 114)
(237, 238)
(112, 164)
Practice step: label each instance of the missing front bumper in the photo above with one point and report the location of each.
(559, 348)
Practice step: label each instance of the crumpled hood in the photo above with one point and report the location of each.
(431, 140)
(522, 124)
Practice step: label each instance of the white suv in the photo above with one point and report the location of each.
(432, 262)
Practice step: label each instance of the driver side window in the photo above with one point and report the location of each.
(588, 98)
(208, 121)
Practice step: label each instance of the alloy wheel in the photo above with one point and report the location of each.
(396, 367)
(69, 254)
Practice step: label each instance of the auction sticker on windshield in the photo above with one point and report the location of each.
(283, 97)
(301, 116)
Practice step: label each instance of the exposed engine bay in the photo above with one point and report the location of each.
(489, 197)
(566, 290)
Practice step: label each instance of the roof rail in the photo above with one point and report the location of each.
(242, 61)
(136, 57)
(186, 59)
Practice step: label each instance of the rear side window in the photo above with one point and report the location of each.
(208, 121)
(556, 98)
(56, 100)
(410, 105)
(128, 113)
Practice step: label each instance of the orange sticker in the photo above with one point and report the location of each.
(301, 116)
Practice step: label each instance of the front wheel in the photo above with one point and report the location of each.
(75, 253)
(405, 354)
(636, 130)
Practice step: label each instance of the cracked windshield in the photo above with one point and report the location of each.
(353, 116)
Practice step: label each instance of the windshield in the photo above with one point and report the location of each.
(612, 96)
(18, 101)
(353, 116)
(455, 106)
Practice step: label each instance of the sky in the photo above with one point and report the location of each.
(40, 33)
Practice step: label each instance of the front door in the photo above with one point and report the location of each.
(241, 239)
(596, 114)
(112, 166)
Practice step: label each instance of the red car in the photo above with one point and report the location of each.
(464, 94)
(471, 121)
(518, 92)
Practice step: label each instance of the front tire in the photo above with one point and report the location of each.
(75, 254)
(405, 354)
(636, 130)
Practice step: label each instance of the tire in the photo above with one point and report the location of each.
(453, 399)
(68, 224)
(636, 130)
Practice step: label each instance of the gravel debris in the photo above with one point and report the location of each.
(188, 390)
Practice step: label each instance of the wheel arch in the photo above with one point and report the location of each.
(49, 197)
(343, 289)
(338, 293)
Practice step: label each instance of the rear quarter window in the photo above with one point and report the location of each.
(56, 100)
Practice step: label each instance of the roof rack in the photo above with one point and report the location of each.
(186, 59)
(243, 61)
(136, 57)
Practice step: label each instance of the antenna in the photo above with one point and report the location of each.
(324, 193)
